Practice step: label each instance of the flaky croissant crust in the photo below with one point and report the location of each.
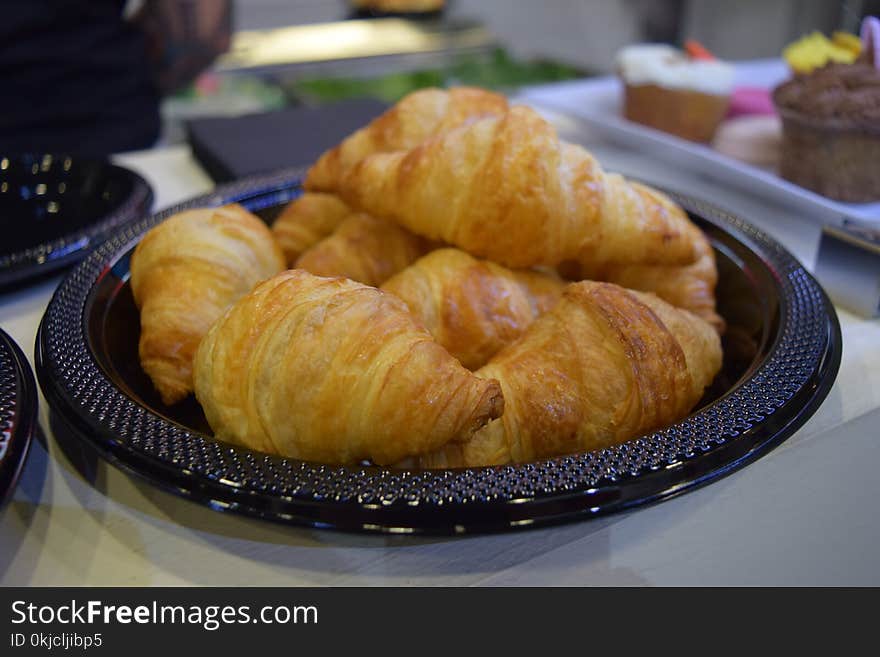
(508, 189)
(364, 249)
(184, 273)
(603, 366)
(334, 371)
(413, 119)
(307, 220)
(473, 307)
(690, 287)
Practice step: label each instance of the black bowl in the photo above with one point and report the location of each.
(54, 208)
(18, 413)
(782, 353)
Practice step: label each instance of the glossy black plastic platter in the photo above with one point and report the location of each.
(18, 413)
(782, 353)
(54, 208)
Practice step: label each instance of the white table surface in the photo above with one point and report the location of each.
(804, 514)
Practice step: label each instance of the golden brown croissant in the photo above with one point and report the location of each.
(691, 287)
(603, 366)
(506, 188)
(399, 6)
(184, 273)
(473, 307)
(334, 371)
(413, 119)
(307, 220)
(364, 249)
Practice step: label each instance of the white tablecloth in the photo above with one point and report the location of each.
(803, 514)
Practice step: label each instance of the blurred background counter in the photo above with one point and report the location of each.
(292, 52)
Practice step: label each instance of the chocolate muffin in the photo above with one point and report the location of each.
(831, 131)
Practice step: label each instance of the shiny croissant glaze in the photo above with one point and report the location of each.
(413, 119)
(330, 370)
(364, 249)
(508, 189)
(690, 287)
(184, 273)
(307, 220)
(602, 366)
(473, 307)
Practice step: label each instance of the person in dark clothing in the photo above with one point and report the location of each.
(87, 76)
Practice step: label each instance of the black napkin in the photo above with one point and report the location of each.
(231, 148)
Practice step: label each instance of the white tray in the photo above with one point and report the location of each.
(597, 102)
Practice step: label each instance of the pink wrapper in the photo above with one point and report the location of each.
(750, 101)
(870, 35)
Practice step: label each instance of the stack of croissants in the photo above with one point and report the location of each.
(456, 286)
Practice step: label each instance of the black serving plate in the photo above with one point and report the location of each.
(782, 353)
(18, 413)
(54, 208)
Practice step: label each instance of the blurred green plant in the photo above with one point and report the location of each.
(497, 70)
(238, 88)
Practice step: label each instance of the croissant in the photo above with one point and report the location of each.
(307, 220)
(184, 273)
(413, 119)
(691, 287)
(364, 249)
(331, 370)
(473, 307)
(603, 366)
(506, 188)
